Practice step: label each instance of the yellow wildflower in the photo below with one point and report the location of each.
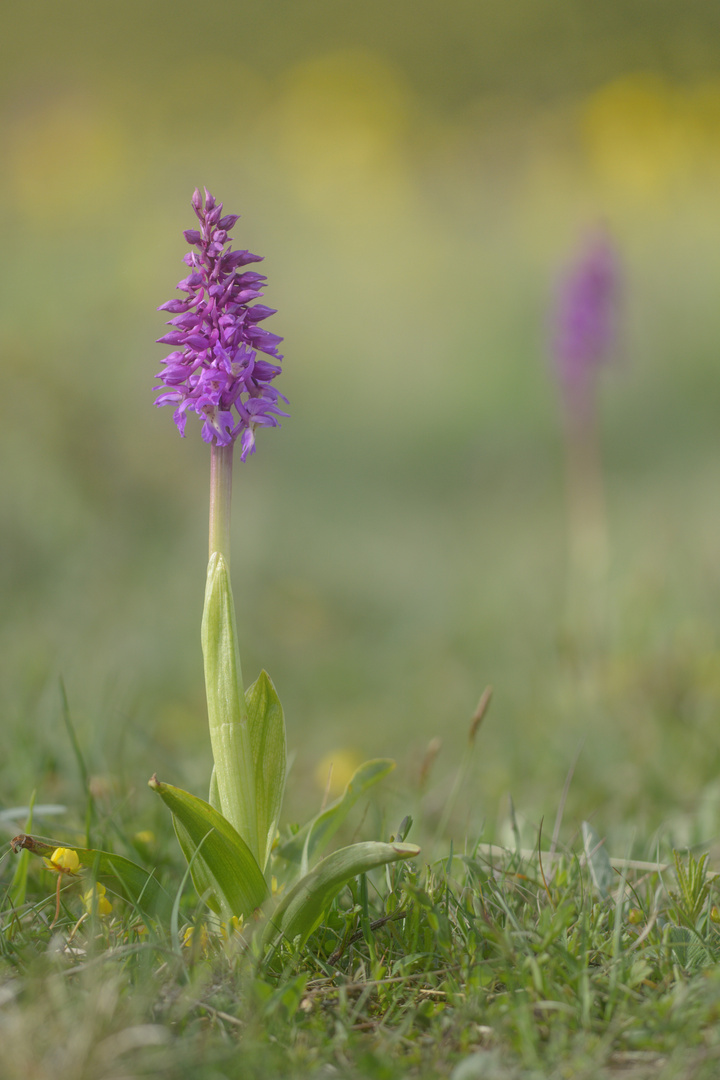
(202, 939)
(64, 860)
(96, 901)
(274, 887)
(234, 926)
(145, 837)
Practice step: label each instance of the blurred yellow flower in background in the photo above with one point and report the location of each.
(276, 889)
(96, 901)
(65, 158)
(145, 837)
(196, 937)
(233, 926)
(341, 121)
(645, 136)
(334, 771)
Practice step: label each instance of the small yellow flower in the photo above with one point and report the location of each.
(274, 887)
(64, 860)
(145, 836)
(96, 901)
(202, 939)
(232, 927)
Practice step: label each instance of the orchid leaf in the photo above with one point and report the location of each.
(227, 710)
(267, 741)
(301, 847)
(131, 881)
(224, 870)
(302, 910)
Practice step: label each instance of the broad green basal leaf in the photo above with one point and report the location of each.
(316, 834)
(267, 740)
(224, 870)
(131, 881)
(302, 910)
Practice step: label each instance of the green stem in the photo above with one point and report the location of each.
(588, 547)
(586, 497)
(233, 779)
(221, 460)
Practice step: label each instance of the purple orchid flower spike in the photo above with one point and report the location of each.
(214, 368)
(585, 329)
(585, 323)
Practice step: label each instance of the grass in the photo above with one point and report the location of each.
(477, 960)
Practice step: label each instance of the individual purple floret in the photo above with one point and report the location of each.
(586, 315)
(214, 368)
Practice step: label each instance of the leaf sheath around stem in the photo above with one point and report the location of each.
(267, 738)
(227, 709)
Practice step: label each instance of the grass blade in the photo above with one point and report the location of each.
(598, 860)
(82, 767)
(18, 885)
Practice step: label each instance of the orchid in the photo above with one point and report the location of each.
(585, 332)
(240, 863)
(214, 369)
(585, 318)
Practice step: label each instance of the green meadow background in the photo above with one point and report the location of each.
(416, 175)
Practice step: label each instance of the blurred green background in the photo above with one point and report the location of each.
(415, 175)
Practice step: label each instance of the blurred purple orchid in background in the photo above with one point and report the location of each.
(585, 317)
(585, 331)
(214, 368)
